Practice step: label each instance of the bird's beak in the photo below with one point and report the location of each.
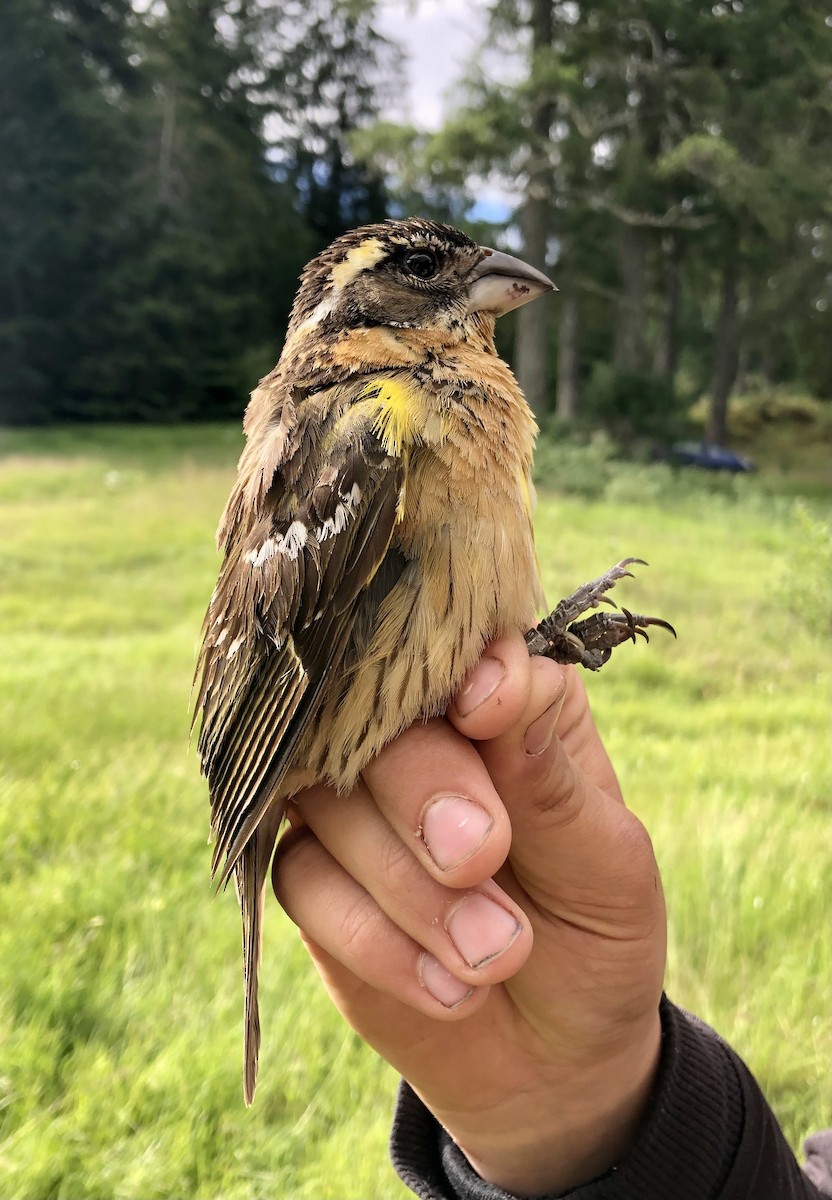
(500, 283)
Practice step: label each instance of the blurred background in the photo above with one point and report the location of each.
(166, 169)
(169, 168)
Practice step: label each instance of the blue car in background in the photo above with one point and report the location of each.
(709, 458)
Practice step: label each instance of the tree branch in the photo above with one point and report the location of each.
(674, 218)
(588, 131)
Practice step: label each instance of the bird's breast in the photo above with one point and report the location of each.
(465, 529)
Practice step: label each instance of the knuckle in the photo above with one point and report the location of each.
(295, 856)
(359, 928)
(638, 872)
(556, 791)
(396, 862)
(635, 845)
(549, 682)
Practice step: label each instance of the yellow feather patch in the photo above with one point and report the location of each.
(527, 491)
(360, 258)
(402, 418)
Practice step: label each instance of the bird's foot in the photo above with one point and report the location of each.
(590, 642)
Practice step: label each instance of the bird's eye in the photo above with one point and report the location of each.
(421, 263)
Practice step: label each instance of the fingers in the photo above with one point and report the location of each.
(495, 693)
(573, 842)
(508, 688)
(337, 916)
(581, 864)
(396, 885)
(433, 790)
(361, 896)
(575, 847)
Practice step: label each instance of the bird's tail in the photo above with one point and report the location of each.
(250, 877)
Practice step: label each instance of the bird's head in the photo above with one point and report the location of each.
(412, 274)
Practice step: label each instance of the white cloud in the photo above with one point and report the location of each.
(439, 38)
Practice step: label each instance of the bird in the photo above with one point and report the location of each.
(377, 536)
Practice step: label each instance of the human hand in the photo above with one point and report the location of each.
(490, 918)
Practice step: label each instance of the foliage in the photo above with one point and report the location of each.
(572, 466)
(806, 586)
(172, 166)
(672, 159)
(762, 404)
(150, 240)
(66, 140)
(595, 468)
(631, 403)
(119, 974)
(325, 74)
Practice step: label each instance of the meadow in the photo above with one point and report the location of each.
(119, 973)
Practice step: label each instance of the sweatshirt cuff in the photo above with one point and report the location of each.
(686, 1145)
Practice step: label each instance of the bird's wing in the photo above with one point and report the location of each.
(306, 530)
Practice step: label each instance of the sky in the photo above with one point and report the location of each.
(438, 38)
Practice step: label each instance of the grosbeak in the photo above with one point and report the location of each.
(378, 535)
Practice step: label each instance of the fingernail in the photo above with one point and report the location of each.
(481, 930)
(541, 731)
(442, 985)
(482, 682)
(453, 828)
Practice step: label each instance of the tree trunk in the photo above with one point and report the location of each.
(744, 364)
(725, 350)
(164, 196)
(533, 320)
(531, 359)
(566, 404)
(630, 343)
(770, 358)
(630, 350)
(666, 350)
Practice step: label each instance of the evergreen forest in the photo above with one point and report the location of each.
(168, 168)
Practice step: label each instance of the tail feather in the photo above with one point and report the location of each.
(250, 873)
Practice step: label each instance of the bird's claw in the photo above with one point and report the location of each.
(591, 641)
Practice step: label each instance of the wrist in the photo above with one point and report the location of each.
(567, 1133)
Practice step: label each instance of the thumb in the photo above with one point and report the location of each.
(576, 850)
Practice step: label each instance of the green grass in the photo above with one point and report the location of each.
(119, 975)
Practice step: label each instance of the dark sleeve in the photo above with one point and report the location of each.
(708, 1134)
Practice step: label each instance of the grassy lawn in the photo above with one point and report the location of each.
(119, 975)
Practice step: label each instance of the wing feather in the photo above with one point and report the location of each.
(251, 755)
(296, 575)
(367, 552)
